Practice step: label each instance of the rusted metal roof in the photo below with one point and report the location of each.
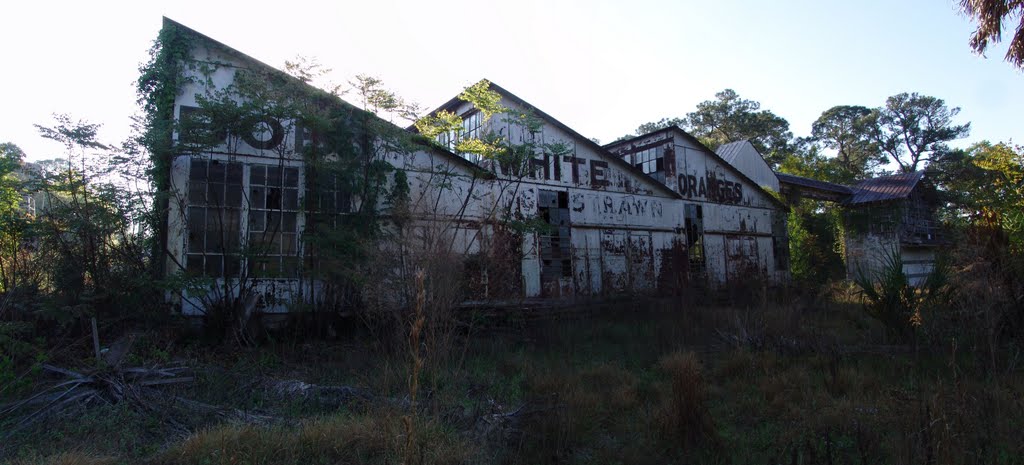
(813, 183)
(885, 188)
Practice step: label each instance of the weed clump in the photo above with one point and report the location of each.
(683, 414)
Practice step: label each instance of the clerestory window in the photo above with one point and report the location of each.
(471, 129)
(649, 160)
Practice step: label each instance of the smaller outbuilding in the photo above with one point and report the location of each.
(893, 217)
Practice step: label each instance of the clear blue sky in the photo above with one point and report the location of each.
(601, 67)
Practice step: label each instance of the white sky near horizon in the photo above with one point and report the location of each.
(601, 67)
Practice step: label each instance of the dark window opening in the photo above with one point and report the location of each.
(649, 160)
(555, 241)
(694, 229)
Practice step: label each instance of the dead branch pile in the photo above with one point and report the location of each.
(109, 385)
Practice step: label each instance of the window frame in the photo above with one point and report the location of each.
(237, 253)
(649, 159)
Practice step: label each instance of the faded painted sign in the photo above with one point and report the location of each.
(617, 207)
(710, 186)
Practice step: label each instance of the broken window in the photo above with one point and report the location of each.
(213, 215)
(555, 251)
(273, 221)
(650, 160)
(693, 215)
(780, 241)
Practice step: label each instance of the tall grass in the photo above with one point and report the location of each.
(683, 415)
(372, 438)
(67, 458)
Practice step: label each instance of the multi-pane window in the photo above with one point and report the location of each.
(471, 129)
(471, 126)
(219, 197)
(445, 139)
(327, 201)
(649, 160)
(214, 213)
(273, 220)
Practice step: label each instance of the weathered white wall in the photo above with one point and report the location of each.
(618, 225)
(918, 263)
(622, 224)
(737, 214)
(869, 253)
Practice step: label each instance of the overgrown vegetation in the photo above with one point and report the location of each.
(890, 297)
(634, 383)
(93, 368)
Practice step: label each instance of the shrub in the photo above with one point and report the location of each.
(890, 298)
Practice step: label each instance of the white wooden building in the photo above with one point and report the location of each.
(656, 213)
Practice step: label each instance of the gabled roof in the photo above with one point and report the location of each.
(885, 188)
(711, 153)
(601, 151)
(813, 183)
(167, 22)
(729, 152)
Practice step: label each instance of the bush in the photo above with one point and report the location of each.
(986, 302)
(890, 298)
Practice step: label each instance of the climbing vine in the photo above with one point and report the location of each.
(160, 81)
(357, 198)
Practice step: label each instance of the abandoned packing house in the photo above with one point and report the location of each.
(651, 214)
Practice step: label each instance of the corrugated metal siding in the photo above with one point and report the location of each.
(730, 151)
(884, 188)
(743, 156)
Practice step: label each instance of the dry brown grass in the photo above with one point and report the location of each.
(683, 414)
(377, 437)
(574, 406)
(66, 458)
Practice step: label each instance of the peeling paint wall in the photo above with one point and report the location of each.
(870, 253)
(610, 228)
(738, 230)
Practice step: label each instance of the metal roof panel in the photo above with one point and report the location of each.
(885, 188)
